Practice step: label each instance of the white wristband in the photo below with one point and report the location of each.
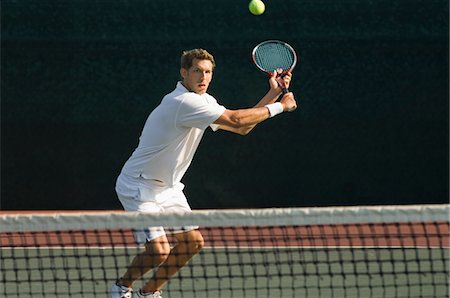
(275, 108)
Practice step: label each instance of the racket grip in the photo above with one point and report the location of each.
(284, 90)
(283, 87)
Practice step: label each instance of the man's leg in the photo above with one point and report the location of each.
(156, 252)
(189, 244)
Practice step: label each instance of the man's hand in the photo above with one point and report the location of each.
(275, 80)
(288, 102)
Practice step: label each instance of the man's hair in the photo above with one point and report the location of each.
(201, 54)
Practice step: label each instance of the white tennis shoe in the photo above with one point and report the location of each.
(120, 291)
(156, 294)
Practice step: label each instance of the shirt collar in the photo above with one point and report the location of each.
(181, 87)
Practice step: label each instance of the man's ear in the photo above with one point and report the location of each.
(183, 72)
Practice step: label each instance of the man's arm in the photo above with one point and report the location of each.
(242, 121)
(237, 120)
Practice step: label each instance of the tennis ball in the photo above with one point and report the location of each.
(256, 7)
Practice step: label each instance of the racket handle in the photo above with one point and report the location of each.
(283, 87)
(284, 90)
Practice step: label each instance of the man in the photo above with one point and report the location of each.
(150, 179)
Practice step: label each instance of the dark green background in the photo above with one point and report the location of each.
(78, 79)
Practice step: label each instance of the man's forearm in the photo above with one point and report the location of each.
(270, 97)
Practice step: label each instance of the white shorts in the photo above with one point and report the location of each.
(143, 195)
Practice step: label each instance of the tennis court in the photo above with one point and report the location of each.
(370, 259)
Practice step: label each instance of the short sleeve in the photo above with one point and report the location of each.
(198, 111)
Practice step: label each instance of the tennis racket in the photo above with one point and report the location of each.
(271, 55)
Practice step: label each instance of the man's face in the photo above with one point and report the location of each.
(197, 78)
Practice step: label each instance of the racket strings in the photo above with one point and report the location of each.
(270, 57)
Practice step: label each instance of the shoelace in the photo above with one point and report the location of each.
(156, 294)
(126, 292)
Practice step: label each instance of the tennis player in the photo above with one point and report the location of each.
(150, 180)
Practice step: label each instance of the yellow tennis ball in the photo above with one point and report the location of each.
(256, 7)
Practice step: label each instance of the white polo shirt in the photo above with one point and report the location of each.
(171, 136)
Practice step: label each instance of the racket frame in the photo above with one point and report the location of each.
(294, 54)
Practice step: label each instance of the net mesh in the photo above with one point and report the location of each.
(388, 251)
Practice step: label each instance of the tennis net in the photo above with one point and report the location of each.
(376, 251)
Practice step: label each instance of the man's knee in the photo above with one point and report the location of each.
(198, 243)
(192, 241)
(158, 250)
